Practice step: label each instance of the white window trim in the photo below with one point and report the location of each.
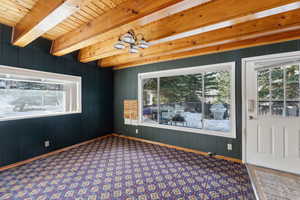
(38, 116)
(186, 71)
(44, 75)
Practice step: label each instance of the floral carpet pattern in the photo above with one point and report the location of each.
(118, 168)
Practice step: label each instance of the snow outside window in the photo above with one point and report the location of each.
(198, 99)
(29, 93)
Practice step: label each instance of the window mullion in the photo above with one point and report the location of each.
(284, 91)
(203, 100)
(158, 99)
(298, 87)
(270, 91)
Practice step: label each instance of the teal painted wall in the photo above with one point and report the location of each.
(125, 87)
(23, 139)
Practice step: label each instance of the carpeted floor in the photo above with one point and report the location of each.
(118, 168)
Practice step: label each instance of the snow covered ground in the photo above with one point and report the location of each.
(5, 106)
(7, 109)
(217, 125)
(193, 120)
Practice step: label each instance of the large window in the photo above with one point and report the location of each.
(29, 93)
(197, 99)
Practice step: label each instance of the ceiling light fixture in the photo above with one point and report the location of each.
(132, 41)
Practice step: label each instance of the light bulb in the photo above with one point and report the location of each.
(133, 49)
(128, 38)
(119, 45)
(143, 44)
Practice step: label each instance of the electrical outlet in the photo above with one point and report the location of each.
(229, 147)
(136, 131)
(47, 143)
(211, 154)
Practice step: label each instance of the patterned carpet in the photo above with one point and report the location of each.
(118, 168)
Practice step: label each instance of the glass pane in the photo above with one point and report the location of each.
(217, 101)
(292, 82)
(180, 100)
(292, 73)
(277, 108)
(277, 83)
(150, 100)
(263, 107)
(292, 91)
(292, 109)
(263, 84)
(24, 98)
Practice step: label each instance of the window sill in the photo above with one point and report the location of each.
(38, 116)
(191, 130)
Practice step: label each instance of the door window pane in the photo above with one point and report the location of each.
(180, 100)
(277, 83)
(277, 108)
(292, 73)
(292, 109)
(263, 83)
(263, 108)
(292, 82)
(150, 100)
(263, 91)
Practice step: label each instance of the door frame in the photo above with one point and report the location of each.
(244, 62)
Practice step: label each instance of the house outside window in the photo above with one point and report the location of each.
(197, 99)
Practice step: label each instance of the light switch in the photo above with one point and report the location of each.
(47, 143)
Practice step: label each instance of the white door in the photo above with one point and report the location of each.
(272, 89)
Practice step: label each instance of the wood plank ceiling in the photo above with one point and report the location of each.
(175, 28)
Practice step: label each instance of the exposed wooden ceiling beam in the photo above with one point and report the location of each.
(270, 39)
(44, 16)
(186, 21)
(105, 48)
(91, 33)
(256, 28)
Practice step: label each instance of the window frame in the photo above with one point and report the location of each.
(186, 71)
(61, 78)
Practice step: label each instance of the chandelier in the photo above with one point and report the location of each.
(132, 41)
